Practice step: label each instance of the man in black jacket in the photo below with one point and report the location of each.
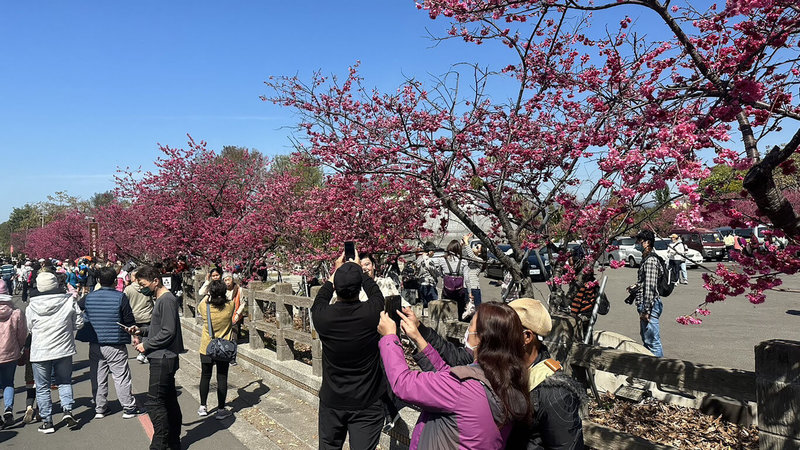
(353, 382)
(162, 344)
(555, 397)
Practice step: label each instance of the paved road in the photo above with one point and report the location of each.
(726, 338)
(112, 431)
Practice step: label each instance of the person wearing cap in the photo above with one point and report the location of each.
(52, 318)
(677, 256)
(555, 397)
(13, 332)
(473, 406)
(648, 302)
(353, 382)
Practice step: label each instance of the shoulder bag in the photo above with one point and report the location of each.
(219, 349)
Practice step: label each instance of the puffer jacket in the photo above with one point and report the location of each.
(104, 308)
(52, 320)
(13, 330)
(460, 409)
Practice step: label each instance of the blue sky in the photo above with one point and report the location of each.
(90, 86)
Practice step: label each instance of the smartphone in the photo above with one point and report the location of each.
(392, 304)
(349, 251)
(122, 325)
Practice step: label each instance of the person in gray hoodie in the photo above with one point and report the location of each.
(52, 318)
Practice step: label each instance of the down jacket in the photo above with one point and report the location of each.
(13, 330)
(52, 321)
(459, 408)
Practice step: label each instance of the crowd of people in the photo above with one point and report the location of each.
(501, 389)
(109, 306)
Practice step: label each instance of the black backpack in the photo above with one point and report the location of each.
(667, 276)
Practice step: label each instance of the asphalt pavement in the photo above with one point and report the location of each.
(113, 431)
(726, 338)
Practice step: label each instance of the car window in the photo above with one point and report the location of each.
(743, 232)
(661, 244)
(712, 237)
(629, 241)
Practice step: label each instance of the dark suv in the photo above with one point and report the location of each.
(496, 270)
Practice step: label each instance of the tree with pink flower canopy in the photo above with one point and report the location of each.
(598, 119)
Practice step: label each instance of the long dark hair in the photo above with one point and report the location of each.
(501, 355)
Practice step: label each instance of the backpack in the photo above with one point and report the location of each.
(453, 282)
(667, 277)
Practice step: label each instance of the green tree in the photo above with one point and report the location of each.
(302, 166)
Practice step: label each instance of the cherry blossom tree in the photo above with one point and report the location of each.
(597, 122)
(65, 238)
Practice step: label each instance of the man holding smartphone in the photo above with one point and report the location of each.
(108, 312)
(353, 383)
(162, 344)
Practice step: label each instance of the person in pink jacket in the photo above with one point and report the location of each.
(465, 407)
(13, 332)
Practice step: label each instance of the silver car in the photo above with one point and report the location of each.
(625, 252)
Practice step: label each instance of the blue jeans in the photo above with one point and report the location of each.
(650, 330)
(427, 293)
(476, 297)
(7, 383)
(41, 374)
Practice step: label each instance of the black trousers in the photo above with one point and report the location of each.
(162, 404)
(206, 366)
(364, 427)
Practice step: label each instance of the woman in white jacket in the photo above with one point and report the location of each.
(52, 318)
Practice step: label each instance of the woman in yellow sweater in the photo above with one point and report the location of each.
(221, 320)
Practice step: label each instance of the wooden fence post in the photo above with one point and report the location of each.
(316, 344)
(778, 394)
(284, 322)
(255, 313)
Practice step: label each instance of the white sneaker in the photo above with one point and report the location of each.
(222, 414)
(202, 411)
(468, 311)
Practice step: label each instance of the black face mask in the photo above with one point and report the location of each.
(639, 247)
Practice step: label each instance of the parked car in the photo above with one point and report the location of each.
(694, 258)
(625, 251)
(707, 242)
(535, 270)
(759, 231)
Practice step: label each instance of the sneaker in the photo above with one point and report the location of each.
(202, 411)
(99, 415)
(46, 428)
(131, 413)
(468, 311)
(8, 417)
(29, 413)
(36, 416)
(233, 363)
(69, 419)
(222, 414)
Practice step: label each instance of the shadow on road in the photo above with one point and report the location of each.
(793, 312)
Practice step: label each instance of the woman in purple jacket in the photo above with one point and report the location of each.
(466, 407)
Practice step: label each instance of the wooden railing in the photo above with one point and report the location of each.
(280, 320)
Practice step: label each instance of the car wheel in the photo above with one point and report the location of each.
(632, 261)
